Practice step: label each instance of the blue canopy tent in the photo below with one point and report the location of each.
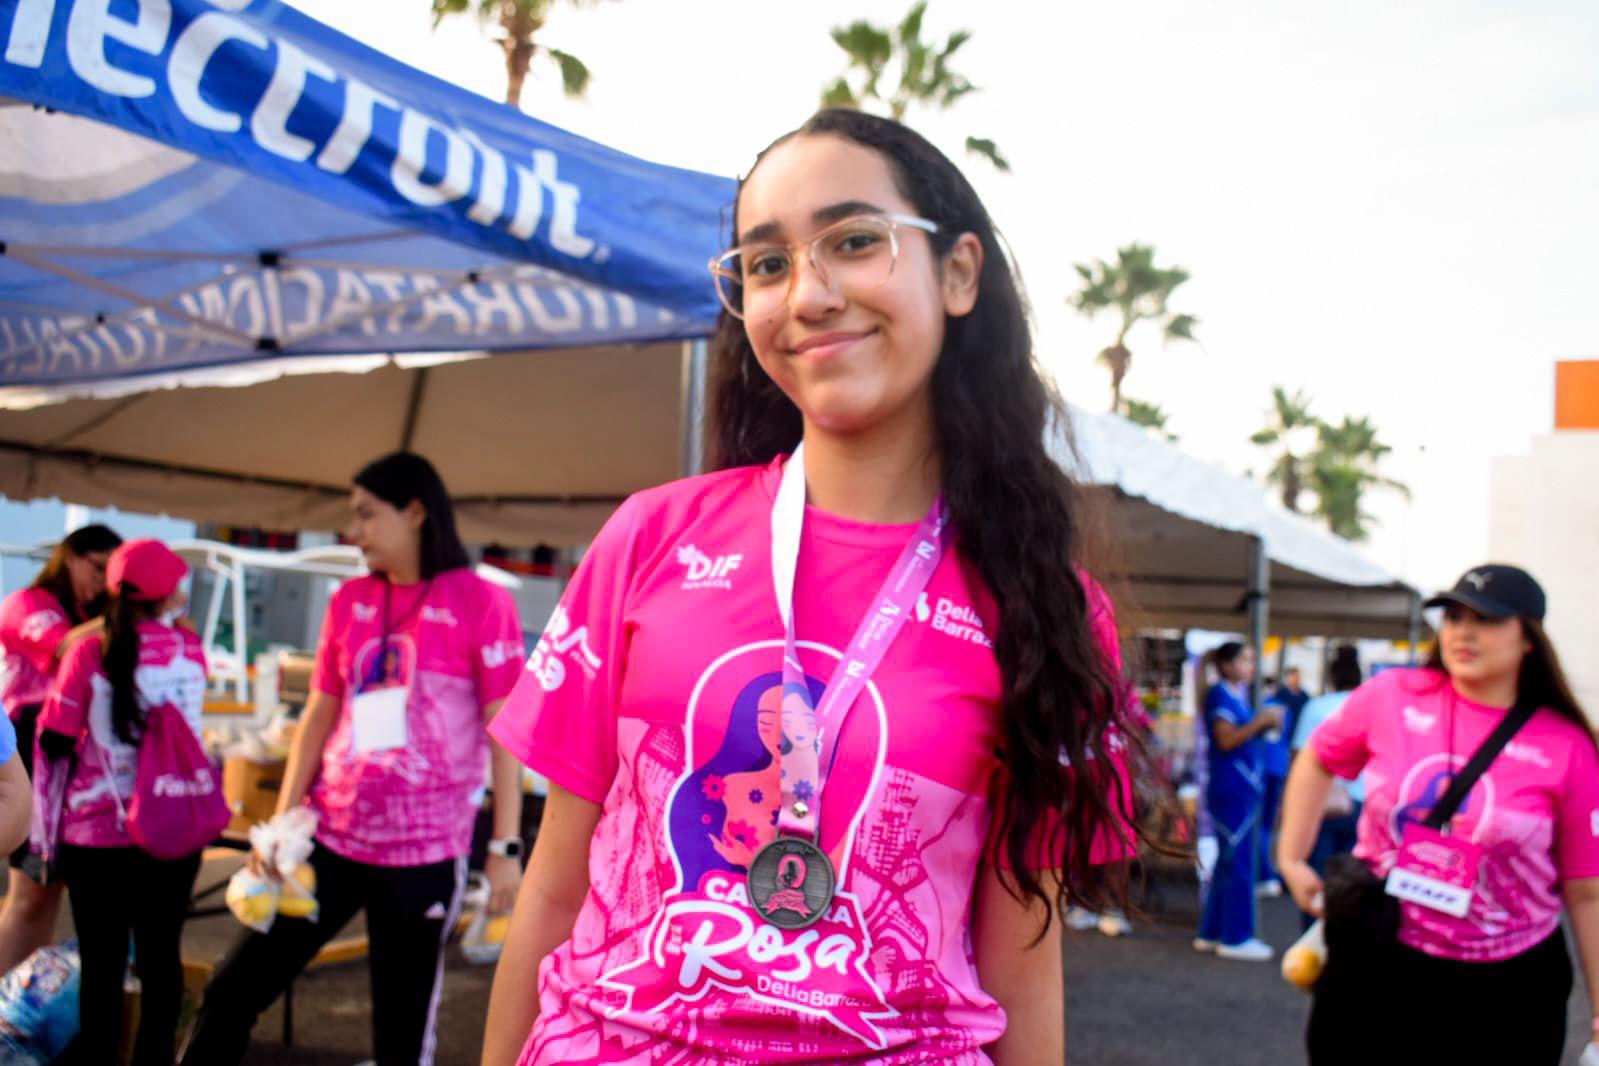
(206, 192)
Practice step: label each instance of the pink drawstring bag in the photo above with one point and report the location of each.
(177, 806)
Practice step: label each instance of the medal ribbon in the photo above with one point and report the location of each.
(804, 766)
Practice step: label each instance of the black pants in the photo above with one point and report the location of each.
(1399, 1005)
(409, 911)
(27, 721)
(114, 892)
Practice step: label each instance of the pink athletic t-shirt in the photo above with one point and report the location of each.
(455, 643)
(1535, 812)
(32, 623)
(171, 669)
(656, 692)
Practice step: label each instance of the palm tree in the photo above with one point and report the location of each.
(1287, 425)
(1148, 415)
(925, 76)
(1138, 290)
(518, 22)
(1342, 469)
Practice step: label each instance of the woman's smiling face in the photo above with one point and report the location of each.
(849, 358)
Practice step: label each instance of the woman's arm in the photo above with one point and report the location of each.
(1304, 801)
(504, 873)
(1023, 976)
(1229, 736)
(547, 903)
(1582, 904)
(92, 628)
(16, 803)
(305, 757)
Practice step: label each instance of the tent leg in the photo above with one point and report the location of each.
(691, 459)
(1259, 607)
(241, 644)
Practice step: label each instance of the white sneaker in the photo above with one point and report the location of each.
(1252, 950)
(1114, 923)
(1081, 919)
(1201, 944)
(1269, 889)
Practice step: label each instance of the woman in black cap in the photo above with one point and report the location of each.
(1481, 821)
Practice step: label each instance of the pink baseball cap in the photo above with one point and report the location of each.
(150, 567)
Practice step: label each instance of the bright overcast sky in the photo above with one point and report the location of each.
(1390, 206)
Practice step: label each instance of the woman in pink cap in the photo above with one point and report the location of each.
(96, 716)
(38, 625)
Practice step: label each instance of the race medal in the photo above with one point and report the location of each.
(791, 882)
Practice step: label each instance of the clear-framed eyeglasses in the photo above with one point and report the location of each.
(754, 280)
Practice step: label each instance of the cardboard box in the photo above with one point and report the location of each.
(251, 789)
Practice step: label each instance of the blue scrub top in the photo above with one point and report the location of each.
(1232, 773)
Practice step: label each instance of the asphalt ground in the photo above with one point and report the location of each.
(1143, 1000)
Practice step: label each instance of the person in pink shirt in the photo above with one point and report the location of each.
(95, 716)
(1478, 970)
(835, 727)
(392, 755)
(38, 625)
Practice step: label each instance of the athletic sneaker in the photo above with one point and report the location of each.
(1081, 919)
(1252, 950)
(1114, 923)
(1201, 944)
(1269, 889)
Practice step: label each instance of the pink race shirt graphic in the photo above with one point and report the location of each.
(708, 944)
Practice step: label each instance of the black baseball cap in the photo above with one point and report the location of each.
(1496, 591)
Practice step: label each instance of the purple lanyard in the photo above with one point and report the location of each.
(804, 765)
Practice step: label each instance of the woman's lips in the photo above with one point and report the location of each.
(828, 345)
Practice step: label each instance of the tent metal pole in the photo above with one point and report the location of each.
(691, 459)
(1259, 598)
(241, 641)
(419, 385)
(1413, 637)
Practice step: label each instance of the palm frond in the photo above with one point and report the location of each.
(574, 75)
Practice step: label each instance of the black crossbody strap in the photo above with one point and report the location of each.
(1461, 786)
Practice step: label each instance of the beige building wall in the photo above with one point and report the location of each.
(1544, 516)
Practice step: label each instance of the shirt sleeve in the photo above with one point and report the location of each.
(1577, 820)
(67, 710)
(1343, 740)
(325, 675)
(40, 630)
(499, 652)
(560, 718)
(1217, 705)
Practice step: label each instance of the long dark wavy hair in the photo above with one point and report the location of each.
(124, 611)
(56, 577)
(1018, 521)
(1541, 680)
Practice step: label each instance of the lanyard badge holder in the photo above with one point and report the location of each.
(378, 710)
(1434, 869)
(791, 880)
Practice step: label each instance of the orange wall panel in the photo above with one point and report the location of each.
(1577, 394)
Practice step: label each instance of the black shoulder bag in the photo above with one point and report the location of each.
(1360, 914)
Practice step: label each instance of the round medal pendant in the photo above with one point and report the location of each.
(791, 882)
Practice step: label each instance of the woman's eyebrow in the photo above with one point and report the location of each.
(822, 216)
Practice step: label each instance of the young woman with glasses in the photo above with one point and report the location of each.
(38, 625)
(835, 727)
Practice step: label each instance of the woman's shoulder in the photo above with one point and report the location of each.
(26, 601)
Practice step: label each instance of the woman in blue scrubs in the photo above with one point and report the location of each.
(1233, 796)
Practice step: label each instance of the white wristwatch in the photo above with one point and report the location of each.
(506, 847)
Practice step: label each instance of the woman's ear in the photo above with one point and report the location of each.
(415, 514)
(963, 266)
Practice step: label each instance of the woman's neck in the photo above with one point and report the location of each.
(1488, 691)
(887, 475)
(408, 574)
